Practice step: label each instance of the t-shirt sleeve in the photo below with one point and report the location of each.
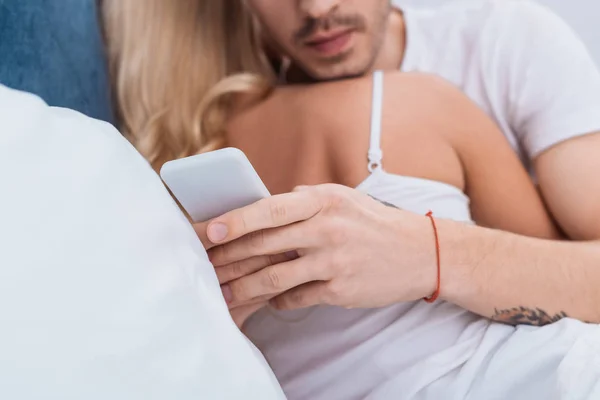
(553, 82)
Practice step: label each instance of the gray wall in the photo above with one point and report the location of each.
(582, 15)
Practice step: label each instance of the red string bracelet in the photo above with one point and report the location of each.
(435, 294)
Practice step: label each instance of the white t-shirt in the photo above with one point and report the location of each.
(528, 71)
(517, 60)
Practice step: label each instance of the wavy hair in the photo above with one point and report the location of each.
(176, 66)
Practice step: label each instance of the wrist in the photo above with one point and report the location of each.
(429, 235)
(462, 250)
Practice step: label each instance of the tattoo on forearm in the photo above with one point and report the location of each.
(385, 203)
(527, 316)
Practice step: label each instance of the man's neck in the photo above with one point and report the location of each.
(392, 50)
(391, 53)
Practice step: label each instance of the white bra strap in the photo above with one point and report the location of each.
(375, 153)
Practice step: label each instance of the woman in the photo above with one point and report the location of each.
(440, 152)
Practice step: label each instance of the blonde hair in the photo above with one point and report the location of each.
(176, 66)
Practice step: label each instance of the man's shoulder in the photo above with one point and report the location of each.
(490, 39)
(482, 12)
(478, 21)
(515, 18)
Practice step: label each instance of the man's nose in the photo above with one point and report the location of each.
(316, 9)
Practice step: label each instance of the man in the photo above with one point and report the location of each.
(529, 72)
(542, 89)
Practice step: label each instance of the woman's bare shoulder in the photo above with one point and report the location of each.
(424, 94)
(342, 105)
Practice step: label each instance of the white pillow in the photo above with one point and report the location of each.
(105, 290)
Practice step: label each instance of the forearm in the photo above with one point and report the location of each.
(519, 280)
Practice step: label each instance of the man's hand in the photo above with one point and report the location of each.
(320, 245)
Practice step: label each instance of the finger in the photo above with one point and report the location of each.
(307, 295)
(268, 213)
(272, 280)
(264, 242)
(241, 314)
(236, 270)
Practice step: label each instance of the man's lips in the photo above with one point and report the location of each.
(332, 44)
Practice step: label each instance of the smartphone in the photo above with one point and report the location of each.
(211, 184)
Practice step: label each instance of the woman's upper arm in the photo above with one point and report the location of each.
(503, 195)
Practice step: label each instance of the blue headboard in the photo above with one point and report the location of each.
(54, 50)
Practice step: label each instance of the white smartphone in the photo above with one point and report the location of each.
(210, 184)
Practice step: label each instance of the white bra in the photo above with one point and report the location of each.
(410, 193)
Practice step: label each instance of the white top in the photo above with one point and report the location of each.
(528, 71)
(517, 60)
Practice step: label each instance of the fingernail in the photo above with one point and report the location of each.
(227, 293)
(217, 232)
(291, 255)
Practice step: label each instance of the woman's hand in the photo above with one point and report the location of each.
(326, 244)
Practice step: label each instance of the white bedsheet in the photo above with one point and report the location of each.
(105, 290)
